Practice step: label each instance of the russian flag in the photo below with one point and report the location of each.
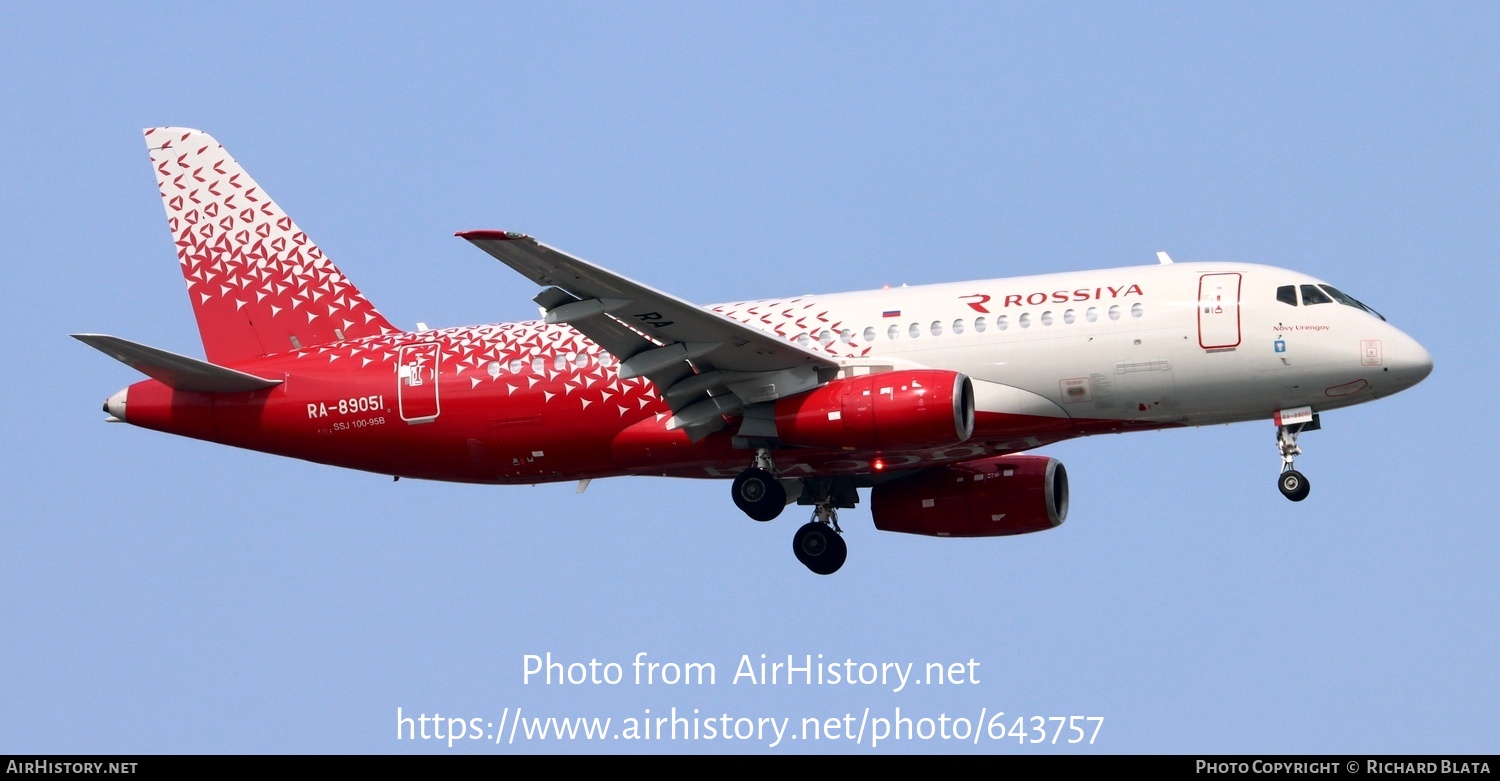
(891, 313)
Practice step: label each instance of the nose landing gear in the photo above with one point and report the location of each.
(1292, 484)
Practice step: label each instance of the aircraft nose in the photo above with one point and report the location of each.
(1409, 360)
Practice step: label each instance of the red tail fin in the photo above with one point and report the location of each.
(258, 284)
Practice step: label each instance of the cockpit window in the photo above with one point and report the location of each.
(1348, 300)
(1287, 294)
(1312, 295)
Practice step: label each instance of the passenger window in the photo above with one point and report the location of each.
(1002, 322)
(958, 327)
(804, 339)
(869, 334)
(1047, 317)
(1093, 314)
(1024, 320)
(559, 362)
(516, 365)
(1287, 294)
(892, 332)
(937, 328)
(1114, 312)
(1070, 317)
(846, 336)
(915, 330)
(539, 364)
(979, 325)
(826, 337)
(1136, 310)
(1312, 295)
(606, 359)
(581, 361)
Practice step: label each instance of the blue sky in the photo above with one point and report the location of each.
(164, 595)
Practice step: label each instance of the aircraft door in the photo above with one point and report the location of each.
(417, 382)
(1219, 311)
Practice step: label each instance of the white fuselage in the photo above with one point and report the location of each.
(1172, 344)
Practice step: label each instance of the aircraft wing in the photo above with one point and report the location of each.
(703, 364)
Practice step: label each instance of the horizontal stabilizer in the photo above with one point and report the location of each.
(173, 370)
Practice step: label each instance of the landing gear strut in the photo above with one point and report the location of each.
(819, 544)
(756, 490)
(1291, 482)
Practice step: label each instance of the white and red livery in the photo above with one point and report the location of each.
(925, 395)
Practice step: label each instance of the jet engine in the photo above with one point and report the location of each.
(991, 497)
(896, 410)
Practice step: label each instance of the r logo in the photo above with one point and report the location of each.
(978, 306)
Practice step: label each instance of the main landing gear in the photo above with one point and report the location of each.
(1291, 482)
(819, 543)
(756, 490)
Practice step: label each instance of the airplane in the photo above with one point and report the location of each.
(930, 396)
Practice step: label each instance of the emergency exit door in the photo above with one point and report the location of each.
(1219, 311)
(417, 382)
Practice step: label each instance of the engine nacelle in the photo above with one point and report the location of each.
(888, 411)
(988, 498)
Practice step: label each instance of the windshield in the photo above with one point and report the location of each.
(1348, 300)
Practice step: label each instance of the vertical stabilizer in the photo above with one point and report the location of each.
(258, 284)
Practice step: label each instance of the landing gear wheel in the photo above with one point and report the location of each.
(1293, 485)
(758, 494)
(819, 548)
(1291, 482)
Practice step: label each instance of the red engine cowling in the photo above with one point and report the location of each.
(887, 411)
(992, 497)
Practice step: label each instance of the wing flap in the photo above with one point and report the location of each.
(613, 335)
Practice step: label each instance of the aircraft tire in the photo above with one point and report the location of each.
(758, 494)
(819, 548)
(1293, 485)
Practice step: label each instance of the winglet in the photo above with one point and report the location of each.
(173, 370)
(1163, 258)
(490, 235)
